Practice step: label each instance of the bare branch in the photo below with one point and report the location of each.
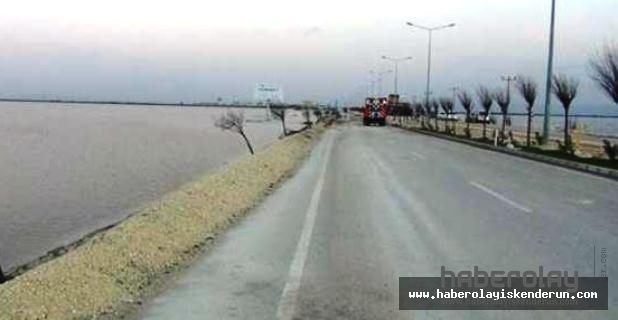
(466, 101)
(605, 71)
(565, 89)
(485, 98)
(234, 121)
(447, 104)
(279, 113)
(436, 106)
(527, 87)
(503, 101)
(230, 121)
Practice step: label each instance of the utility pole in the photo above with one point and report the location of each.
(508, 80)
(550, 71)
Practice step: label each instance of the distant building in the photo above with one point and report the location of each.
(267, 93)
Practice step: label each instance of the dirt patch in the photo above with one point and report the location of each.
(113, 269)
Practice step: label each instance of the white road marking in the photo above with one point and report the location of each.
(585, 202)
(501, 197)
(289, 296)
(418, 155)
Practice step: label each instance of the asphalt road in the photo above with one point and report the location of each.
(374, 204)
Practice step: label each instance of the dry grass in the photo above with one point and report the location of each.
(114, 268)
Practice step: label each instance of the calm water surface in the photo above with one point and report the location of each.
(67, 170)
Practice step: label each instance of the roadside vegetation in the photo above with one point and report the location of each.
(447, 105)
(468, 104)
(573, 143)
(527, 87)
(565, 90)
(486, 100)
(605, 73)
(503, 100)
(279, 113)
(234, 121)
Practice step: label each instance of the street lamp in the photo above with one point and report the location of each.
(372, 83)
(396, 62)
(380, 78)
(430, 31)
(550, 67)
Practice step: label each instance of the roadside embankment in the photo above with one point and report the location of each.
(569, 164)
(113, 269)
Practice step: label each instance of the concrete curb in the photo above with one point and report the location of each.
(586, 168)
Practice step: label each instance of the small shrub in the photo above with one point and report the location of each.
(467, 133)
(538, 137)
(611, 149)
(512, 138)
(567, 146)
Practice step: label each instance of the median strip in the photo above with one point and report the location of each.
(110, 272)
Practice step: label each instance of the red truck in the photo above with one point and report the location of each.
(375, 111)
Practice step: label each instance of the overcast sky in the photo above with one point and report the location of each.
(318, 49)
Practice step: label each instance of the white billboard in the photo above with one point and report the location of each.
(267, 93)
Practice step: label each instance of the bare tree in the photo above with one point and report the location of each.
(486, 100)
(565, 89)
(279, 113)
(605, 71)
(503, 100)
(234, 121)
(527, 87)
(318, 114)
(435, 104)
(468, 104)
(307, 116)
(428, 110)
(419, 112)
(447, 105)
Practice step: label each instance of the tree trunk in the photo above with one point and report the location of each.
(567, 141)
(2, 278)
(468, 121)
(502, 136)
(528, 128)
(484, 130)
(242, 133)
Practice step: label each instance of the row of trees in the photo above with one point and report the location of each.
(234, 121)
(604, 72)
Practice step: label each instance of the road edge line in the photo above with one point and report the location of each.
(289, 295)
